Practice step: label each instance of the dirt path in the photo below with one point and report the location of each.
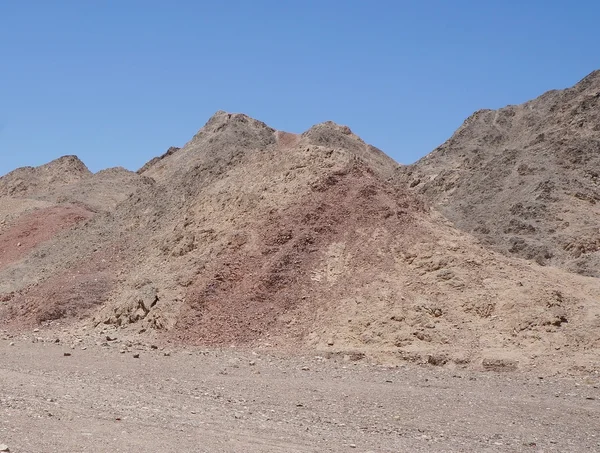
(98, 400)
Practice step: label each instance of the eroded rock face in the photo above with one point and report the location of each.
(524, 179)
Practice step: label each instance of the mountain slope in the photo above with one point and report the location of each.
(525, 179)
(252, 236)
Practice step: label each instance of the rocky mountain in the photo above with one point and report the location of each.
(525, 179)
(252, 236)
(31, 181)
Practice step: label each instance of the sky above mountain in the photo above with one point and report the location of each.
(117, 83)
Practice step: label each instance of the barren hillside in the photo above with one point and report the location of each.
(525, 179)
(252, 236)
(32, 181)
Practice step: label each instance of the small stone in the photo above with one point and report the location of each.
(167, 354)
(67, 354)
(252, 363)
(36, 330)
(12, 343)
(305, 368)
(352, 445)
(136, 356)
(153, 346)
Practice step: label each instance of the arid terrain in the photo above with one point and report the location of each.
(468, 279)
(525, 179)
(254, 400)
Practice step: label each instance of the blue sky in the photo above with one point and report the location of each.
(117, 82)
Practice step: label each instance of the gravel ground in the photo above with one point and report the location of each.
(100, 400)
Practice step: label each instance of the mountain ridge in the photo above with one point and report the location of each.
(250, 236)
(524, 178)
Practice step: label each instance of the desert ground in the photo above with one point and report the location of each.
(100, 399)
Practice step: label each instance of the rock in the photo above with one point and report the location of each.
(437, 359)
(499, 364)
(234, 363)
(4, 448)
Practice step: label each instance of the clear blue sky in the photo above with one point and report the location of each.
(117, 82)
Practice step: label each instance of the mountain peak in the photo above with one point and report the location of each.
(29, 180)
(223, 120)
(69, 163)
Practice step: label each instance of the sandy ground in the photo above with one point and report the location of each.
(100, 400)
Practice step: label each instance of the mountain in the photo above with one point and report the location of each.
(524, 179)
(304, 242)
(29, 181)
